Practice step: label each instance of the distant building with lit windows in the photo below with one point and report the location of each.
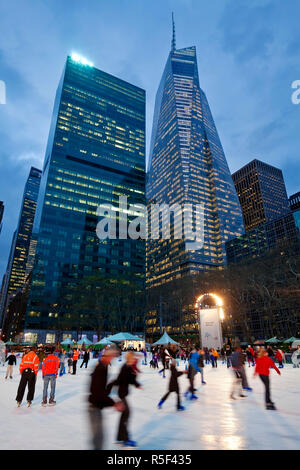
(16, 273)
(95, 153)
(294, 202)
(187, 165)
(262, 193)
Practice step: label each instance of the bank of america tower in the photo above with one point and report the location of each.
(187, 165)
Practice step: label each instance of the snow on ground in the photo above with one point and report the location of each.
(211, 422)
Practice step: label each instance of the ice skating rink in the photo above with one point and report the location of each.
(211, 422)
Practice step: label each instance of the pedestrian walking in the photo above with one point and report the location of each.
(28, 369)
(49, 372)
(11, 362)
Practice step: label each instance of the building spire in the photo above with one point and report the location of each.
(173, 44)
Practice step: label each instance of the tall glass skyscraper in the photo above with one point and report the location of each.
(188, 166)
(95, 153)
(15, 275)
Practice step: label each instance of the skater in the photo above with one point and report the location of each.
(86, 358)
(271, 353)
(70, 364)
(145, 356)
(49, 372)
(11, 361)
(279, 357)
(240, 379)
(201, 364)
(99, 399)
(173, 386)
(262, 368)
(62, 357)
(192, 371)
(28, 369)
(127, 376)
(212, 357)
(164, 355)
(228, 353)
(74, 360)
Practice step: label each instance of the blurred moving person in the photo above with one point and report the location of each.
(99, 397)
(126, 377)
(173, 386)
(86, 358)
(29, 368)
(237, 364)
(192, 372)
(263, 365)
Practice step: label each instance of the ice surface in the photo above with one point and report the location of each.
(211, 422)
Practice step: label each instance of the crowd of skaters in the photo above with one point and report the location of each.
(52, 362)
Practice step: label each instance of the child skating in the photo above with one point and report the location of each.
(173, 386)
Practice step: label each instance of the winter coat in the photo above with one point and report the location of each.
(50, 365)
(126, 377)
(30, 361)
(98, 391)
(173, 384)
(11, 359)
(263, 365)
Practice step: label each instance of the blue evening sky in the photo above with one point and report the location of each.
(248, 57)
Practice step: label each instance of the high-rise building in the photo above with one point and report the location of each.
(15, 275)
(294, 202)
(187, 165)
(95, 153)
(262, 193)
(1, 214)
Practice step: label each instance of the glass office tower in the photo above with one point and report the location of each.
(15, 275)
(188, 166)
(95, 153)
(262, 193)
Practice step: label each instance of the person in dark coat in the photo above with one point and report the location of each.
(127, 376)
(99, 397)
(86, 358)
(11, 360)
(173, 386)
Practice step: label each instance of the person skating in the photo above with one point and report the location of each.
(237, 363)
(11, 361)
(173, 386)
(49, 372)
(126, 377)
(279, 357)
(99, 397)
(201, 365)
(62, 358)
(74, 360)
(165, 357)
(86, 358)
(192, 371)
(228, 353)
(263, 365)
(29, 368)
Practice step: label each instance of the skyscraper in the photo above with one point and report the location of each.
(187, 165)
(15, 275)
(262, 193)
(95, 153)
(1, 214)
(294, 203)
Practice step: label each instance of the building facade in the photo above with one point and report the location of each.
(95, 153)
(16, 273)
(294, 202)
(188, 167)
(262, 193)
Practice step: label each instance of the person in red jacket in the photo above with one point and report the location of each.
(75, 359)
(279, 357)
(263, 365)
(28, 369)
(50, 370)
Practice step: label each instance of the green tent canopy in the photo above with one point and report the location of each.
(119, 337)
(290, 340)
(10, 343)
(273, 340)
(165, 339)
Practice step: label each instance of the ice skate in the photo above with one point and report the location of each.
(52, 402)
(44, 403)
(181, 408)
(19, 404)
(270, 406)
(129, 445)
(29, 404)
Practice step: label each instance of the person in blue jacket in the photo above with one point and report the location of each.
(192, 371)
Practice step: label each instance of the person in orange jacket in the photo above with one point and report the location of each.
(75, 359)
(28, 369)
(50, 370)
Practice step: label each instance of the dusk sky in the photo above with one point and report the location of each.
(248, 57)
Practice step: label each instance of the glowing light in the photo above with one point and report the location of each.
(81, 60)
(218, 300)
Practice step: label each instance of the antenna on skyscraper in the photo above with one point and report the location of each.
(173, 45)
